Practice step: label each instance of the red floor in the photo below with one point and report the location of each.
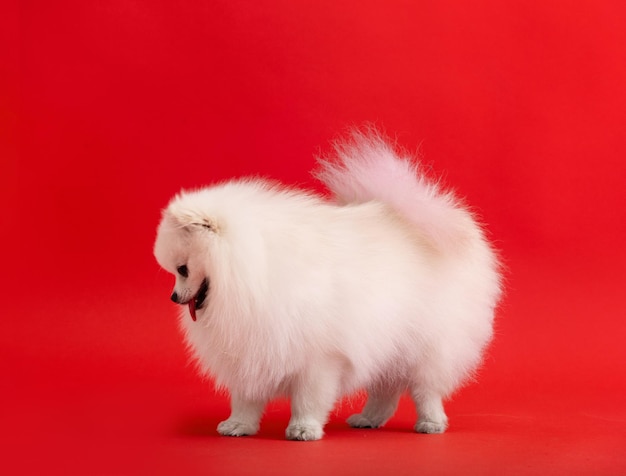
(101, 389)
(108, 108)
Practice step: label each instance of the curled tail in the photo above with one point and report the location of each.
(366, 167)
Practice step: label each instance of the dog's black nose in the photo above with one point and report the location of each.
(174, 297)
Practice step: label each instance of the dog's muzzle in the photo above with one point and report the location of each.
(197, 301)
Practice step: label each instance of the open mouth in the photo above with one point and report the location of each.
(198, 300)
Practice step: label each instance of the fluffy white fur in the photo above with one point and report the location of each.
(390, 287)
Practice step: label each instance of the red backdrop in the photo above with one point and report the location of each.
(109, 108)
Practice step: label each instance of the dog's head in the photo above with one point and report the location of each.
(181, 248)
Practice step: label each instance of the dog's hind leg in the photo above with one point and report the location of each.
(431, 415)
(382, 403)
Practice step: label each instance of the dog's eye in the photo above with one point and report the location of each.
(183, 271)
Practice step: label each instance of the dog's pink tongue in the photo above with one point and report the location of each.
(192, 309)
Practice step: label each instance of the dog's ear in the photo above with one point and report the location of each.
(189, 220)
(204, 224)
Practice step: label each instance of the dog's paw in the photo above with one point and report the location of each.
(304, 432)
(430, 427)
(358, 420)
(236, 428)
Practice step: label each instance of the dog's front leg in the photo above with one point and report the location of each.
(313, 395)
(245, 417)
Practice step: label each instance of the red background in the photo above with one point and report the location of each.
(108, 108)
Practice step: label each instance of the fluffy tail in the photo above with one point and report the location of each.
(366, 167)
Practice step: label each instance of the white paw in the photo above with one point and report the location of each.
(358, 420)
(304, 432)
(236, 428)
(430, 427)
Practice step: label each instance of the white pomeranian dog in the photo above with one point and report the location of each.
(390, 287)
